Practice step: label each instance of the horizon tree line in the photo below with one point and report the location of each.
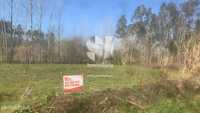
(150, 38)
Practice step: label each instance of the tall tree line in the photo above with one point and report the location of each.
(157, 38)
(28, 43)
(149, 37)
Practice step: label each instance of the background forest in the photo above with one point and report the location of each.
(170, 36)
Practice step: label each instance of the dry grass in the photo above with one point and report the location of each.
(192, 55)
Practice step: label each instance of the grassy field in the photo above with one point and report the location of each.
(46, 79)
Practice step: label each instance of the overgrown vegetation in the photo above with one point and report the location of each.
(156, 63)
(130, 89)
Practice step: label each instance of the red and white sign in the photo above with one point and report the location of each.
(73, 84)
